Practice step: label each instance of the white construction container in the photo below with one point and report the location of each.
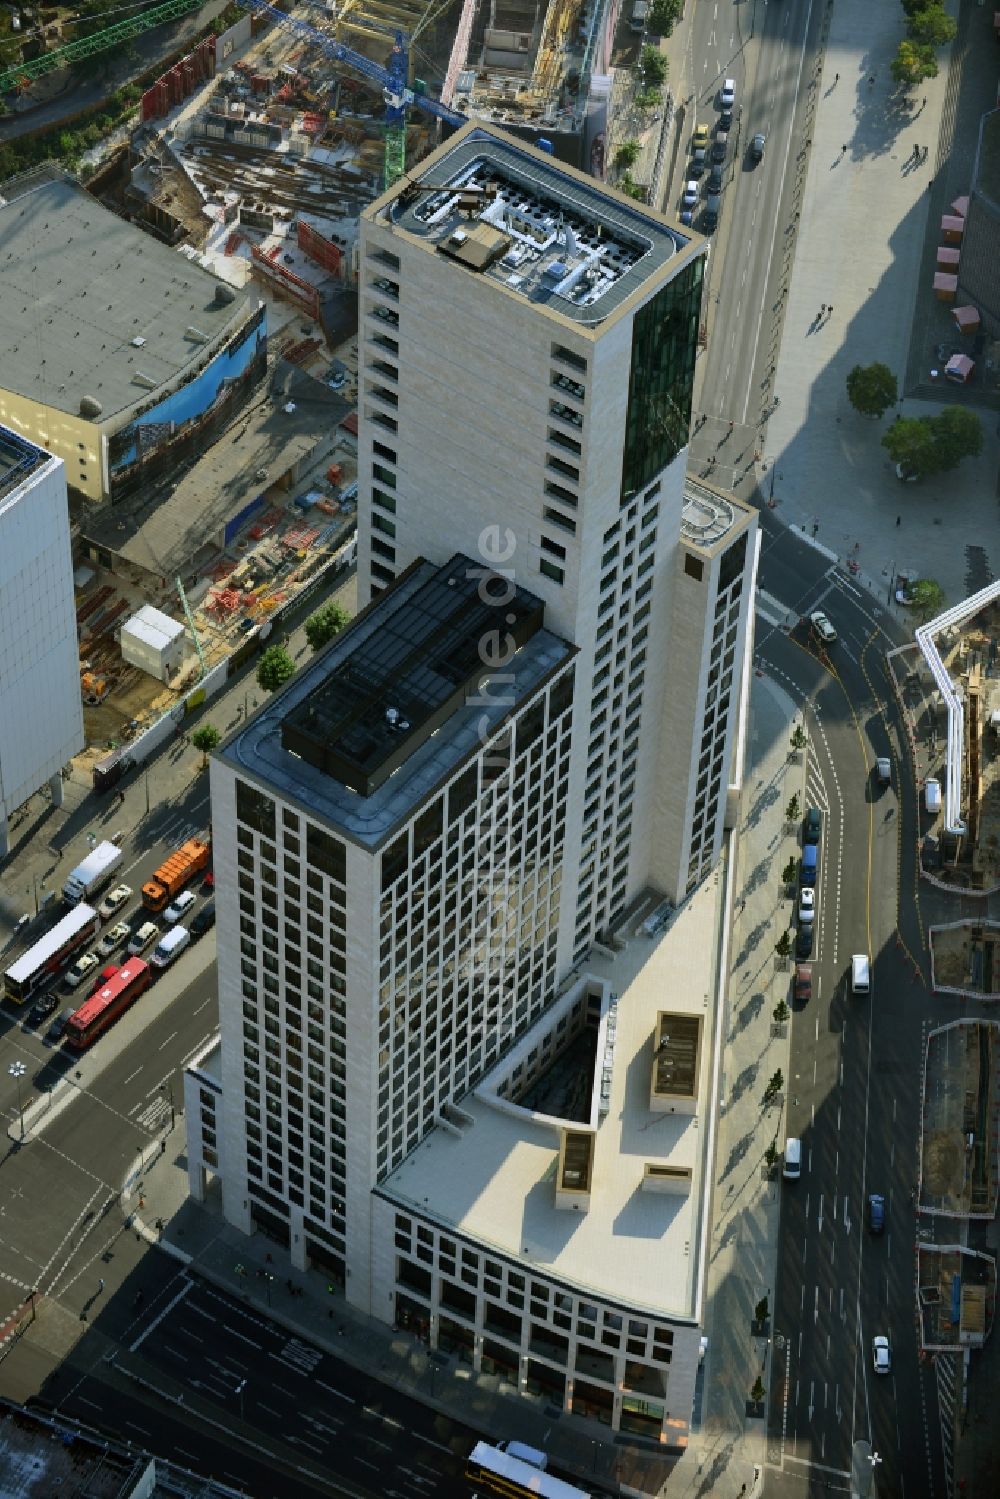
(154, 642)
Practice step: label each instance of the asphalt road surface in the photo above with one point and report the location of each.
(853, 1090)
(197, 1377)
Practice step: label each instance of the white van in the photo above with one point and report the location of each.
(170, 946)
(932, 795)
(640, 11)
(861, 978)
(792, 1169)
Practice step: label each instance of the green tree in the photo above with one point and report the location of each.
(774, 1085)
(757, 1393)
(927, 597)
(872, 389)
(761, 1309)
(771, 1155)
(205, 739)
(664, 15)
(653, 67)
(913, 63)
(326, 623)
(631, 188)
(931, 27)
(626, 155)
(793, 808)
(910, 443)
(788, 873)
(780, 1012)
(958, 434)
(799, 737)
(274, 668)
(783, 946)
(648, 98)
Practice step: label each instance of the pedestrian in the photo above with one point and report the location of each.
(731, 425)
(923, 104)
(843, 150)
(836, 79)
(899, 520)
(871, 80)
(100, 1285)
(829, 310)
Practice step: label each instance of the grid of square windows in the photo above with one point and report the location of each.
(616, 717)
(469, 918)
(719, 706)
(292, 909)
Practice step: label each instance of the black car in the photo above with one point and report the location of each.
(726, 119)
(812, 826)
(205, 919)
(804, 941)
(757, 146)
(719, 147)
(44, 1008)
(710, 218)
(55, 1030)
(715, 180)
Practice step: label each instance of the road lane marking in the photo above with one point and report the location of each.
(431, 1443)
(167, 1041)
(331, 1391)
(129, 1079)
(157, 1320)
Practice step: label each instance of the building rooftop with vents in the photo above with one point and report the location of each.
(535, 226)
(709, 518)
(394, 705)
(91, 307)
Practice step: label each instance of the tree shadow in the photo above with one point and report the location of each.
(767, 798)
(743, 1081)
(749, 1011)
(737, 1153)
(758, 876)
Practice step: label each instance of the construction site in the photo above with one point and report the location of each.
(958, 1141)
(957, 1295)
(948, 684)
(965, 959)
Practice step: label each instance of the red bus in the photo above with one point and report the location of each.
(103, 1008)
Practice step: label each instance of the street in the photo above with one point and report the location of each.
(853, 1091)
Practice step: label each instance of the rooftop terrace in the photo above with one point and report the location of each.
(395, 704)
(636, 1236)
(18, 461)
(526, 222)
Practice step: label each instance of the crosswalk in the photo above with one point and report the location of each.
(946, 1369)
(300, 1355)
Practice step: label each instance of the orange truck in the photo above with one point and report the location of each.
(174, 873)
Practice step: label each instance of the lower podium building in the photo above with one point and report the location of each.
(415, 1088)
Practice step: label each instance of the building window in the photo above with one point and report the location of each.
(254, 808)
(661, 379)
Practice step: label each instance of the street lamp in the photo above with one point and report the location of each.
(168, 1093)
(239, 1391)
(17, 1071)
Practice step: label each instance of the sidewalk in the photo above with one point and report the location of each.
(729, 1449)
(861, 243)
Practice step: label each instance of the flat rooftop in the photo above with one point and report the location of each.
(496, 1182)
(709, 517)
(390, 693)
(327, 742)
(89, 303)
(18, 461)
(162, 528)
(524, 221)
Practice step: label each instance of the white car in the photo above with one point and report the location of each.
(727, 94)
(114, 900)
(176, 909)
(690, 197)
(822, 627)
(80, 970)
(807, 904)
(881, 1355)
(146, 934)
(113, 938)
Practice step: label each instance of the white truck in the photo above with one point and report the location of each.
(640, 10)
(94, 872)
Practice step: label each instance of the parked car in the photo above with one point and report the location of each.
(204, 920)
(812, 825)
(727, 94)
(176, 909)
(804, 941)
(876, 1212)
(807, 903)
(803, 989)
(690, 196)
(881, 1355)
(114, 900)
(822, 627)
(44, 1007)
(114, 938)
(757, 144)
(715, 180)
(719, 147)
(58, 1025)
(726, 118)
(699, 140)
(710, 218)
(81, 969)
(141, 939)
(698, 156)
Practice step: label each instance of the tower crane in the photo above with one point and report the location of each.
(393, 79)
